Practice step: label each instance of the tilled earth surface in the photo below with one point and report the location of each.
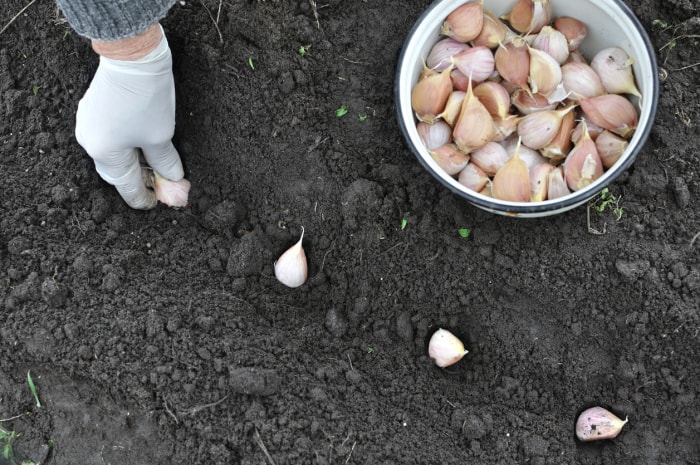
(163, 337)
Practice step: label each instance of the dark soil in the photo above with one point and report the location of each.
(163, 337)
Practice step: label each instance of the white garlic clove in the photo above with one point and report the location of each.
(172, 193)
(598, 423)
(291, 268)
(445, 348)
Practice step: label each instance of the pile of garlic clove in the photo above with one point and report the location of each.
(511, 108)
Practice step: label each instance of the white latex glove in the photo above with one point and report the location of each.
(130, 105)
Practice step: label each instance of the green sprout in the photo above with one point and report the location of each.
(35, 89)
(370, 350)
(7, 438)
(464, 232)
(404, 223)
(609, 201)
(342, 111)
(32, 388)
(303, 49)
(250, 63)
(658, 22)
(363, 116)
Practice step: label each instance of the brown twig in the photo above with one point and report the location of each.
(215, 20)
(262, 447)
(17, 15)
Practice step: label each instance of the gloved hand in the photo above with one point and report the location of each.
(130, 108)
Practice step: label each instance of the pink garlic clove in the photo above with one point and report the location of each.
(172, 193)
(598, 423)
(445, 348)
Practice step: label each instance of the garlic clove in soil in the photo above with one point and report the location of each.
(598, 423)
(172, 193)
(291, 268)
(445, 348)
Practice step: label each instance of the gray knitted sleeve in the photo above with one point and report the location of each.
(113, 19)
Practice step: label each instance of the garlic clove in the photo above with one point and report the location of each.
(434, 135)
(573, 29)
(490, 158)
(581, 81)
(530, 156)
(171, 193)
(429, 95)
(598, 423)
(493, 32)
(474, 127)
(449, 158)
(610, 147)
(464, 23)
(583, 164)
(526, 102)
(613, 112)
(556, 184)
(545, 72)
(512, 181)
(538, 129)
(495, 98)
(552, 42)
(539, 182)
(473, 177)
(559, 147)
(593, 130)
(477, 62)
(530, 16)
(504, 127)
(440, 56)
(291, 268)
(453, 107)
(512, 61)
(459, 80)
(445, 348)
(614, 66)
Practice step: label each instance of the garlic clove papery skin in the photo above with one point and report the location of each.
(291, 268)
(614, 66)
(597, 423)
(429, 96)
(477, 62)
(434, 135)
(449, 158)
(465, 22)
(445, 348)
(573, 29)
(593, 131)
(440, 56)
(613, 112)
(172, 193)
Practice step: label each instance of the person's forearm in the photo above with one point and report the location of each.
(132, 48)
